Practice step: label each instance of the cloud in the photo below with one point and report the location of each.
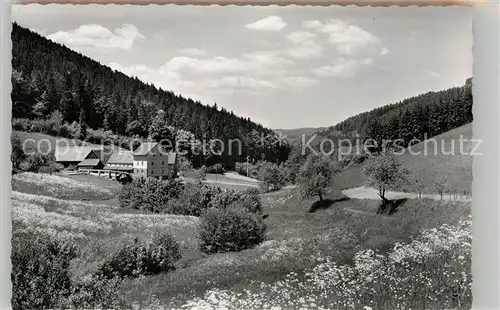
(299, 82)
(305, 47)
(384, 51)
(193, 52)
(348, 39)
(98, 37)
(432, 74)
(300, 37)
(310, 24)
(270, 23)
(342, 68)
(255, 63)
(307, 50)
(238, 82)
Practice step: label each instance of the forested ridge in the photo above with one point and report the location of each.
(48, 77)
(417, 117)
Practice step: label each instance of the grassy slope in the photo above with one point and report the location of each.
(457, 169)
(294, 236)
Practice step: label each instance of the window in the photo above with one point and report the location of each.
(152, 163)
(163, 162)
(152, 172)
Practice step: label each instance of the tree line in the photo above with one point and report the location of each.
(48, 77)
(418, 117)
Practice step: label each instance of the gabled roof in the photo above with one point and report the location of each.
(121, 156)
(144, 148)
(89, 162)
(73, 153)
(104, 154)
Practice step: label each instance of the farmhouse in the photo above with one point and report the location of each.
(121, 161)
(150, 160)
(146, 161)
(95, 159)
(72, 155)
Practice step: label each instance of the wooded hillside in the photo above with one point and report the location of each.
(48, 76)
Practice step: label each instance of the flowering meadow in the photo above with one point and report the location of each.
(59, 187)
(433, 271)
(419, 258)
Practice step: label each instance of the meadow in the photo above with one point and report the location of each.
(322, 259)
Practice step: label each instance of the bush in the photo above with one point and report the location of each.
(216, 169)
(271, 176)
(198, 197)
(253, 169)
(35, 162)
(142, 258)
(202, 172)
(250, 200)
(149, 194)
(96, 292)
(17, 155)
(124, 178)
(225, 230)
(192, 201)
(40, 270)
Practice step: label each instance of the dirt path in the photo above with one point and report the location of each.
(371, 193)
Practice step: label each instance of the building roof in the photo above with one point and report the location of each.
(68, 153)
(104, 154)
(144, 148)
(121, 156)
(89, 162)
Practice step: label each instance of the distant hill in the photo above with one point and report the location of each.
(294, 136)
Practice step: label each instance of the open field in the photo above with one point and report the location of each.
(371, 193)
(60, 187)
(295, 236)
(230, 180)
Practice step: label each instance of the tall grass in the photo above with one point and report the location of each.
(59, 187)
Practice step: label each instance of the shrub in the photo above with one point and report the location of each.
(142, 258)
(56, 167)
(225, 230)
(202, 173)
(34, 162)
(40, 270)
(250, 201)
(192, 201)
(96, 292)
(253, 169)
(272, 176)
(17, 155)
(149, 194)
(195, 198)
(124, 178)
(216, 169)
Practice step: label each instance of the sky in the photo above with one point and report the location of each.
(282, 66)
